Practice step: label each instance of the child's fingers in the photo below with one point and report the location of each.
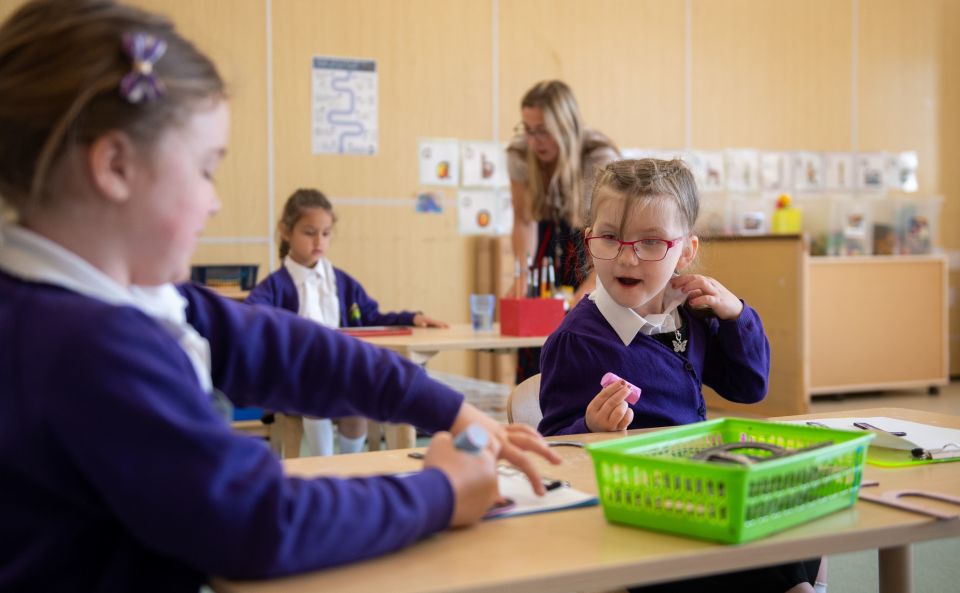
(528, 439)
(615, 399)
(525, 464)
(626, 420)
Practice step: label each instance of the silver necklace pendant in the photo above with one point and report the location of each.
(679, 345)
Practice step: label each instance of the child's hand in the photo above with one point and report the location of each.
(421, 320)
(705, 292)
(473, 477)
(609, 410)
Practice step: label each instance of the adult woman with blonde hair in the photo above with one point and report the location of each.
(552, 162)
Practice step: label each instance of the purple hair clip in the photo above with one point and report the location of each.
(141, 84)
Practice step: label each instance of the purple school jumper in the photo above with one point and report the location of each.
(356, 307)
(732, 357)
(116, 473)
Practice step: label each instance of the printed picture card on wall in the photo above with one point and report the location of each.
(477, 211)
(839, 174)
(871, 171)
(808, 173)
(439, 161)
(901, 174)
(743, 170)
(484, 164)
(775, 171)
(504, 216)
(708, 169)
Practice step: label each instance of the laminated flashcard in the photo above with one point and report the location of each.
(344, 93)
(775, 171)
(503, 220)
(839, 171)
(808, 174)
(871, 171)
(484, 164)
(439, 162)
(901, 174)
(477, 211)
(743, 170)
(708, 169)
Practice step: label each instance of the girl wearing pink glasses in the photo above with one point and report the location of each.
(665, 333)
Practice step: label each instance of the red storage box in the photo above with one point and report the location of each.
(530, 317)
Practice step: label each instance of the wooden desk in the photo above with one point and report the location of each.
(419, 347)
(577, 550)
(423, 345)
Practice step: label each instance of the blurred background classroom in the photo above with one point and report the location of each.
(861, 308)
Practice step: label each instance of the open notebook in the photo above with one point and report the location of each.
(516, 489)
(920, 443)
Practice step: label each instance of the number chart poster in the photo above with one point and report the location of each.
(344, 103)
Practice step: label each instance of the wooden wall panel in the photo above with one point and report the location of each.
(771, 75)
(899, 71)
(233, 34)
(434, 66)
(948, 139)
(624, 60)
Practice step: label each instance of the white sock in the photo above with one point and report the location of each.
(317, 437)
(349, 445)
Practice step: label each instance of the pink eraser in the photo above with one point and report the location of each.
(634, 396)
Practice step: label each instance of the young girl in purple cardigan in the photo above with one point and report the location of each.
(308, 284)
(663, 332)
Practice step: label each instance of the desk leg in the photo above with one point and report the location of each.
(896, 569)
(374, 435)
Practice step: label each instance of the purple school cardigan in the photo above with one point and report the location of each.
(118, 475)
(356, 307)
(732, 357)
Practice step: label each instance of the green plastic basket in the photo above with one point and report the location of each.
(650, 481)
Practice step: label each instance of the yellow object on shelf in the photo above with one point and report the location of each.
(786, 219)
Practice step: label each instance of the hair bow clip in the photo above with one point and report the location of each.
(141, 84)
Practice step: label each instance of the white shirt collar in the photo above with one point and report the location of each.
(301, 273)
(627, 323)
(32, 257)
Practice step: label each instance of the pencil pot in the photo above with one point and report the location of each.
(728, 480)
(530, 317)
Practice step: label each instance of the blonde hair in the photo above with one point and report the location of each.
(563, 199)
(298, 202)
(647, 183)
(60, 69)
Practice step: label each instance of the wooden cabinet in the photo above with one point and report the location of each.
(836, 324)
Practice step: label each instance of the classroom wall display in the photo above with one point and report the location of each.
(901, 174)
(808, 173)
(871, 172)
(743, 170)
(775, 171)
(439, 162)
(504, 220)
(839, 171)
(708, 169)
(483, 164)
(478, 212)
(344, 106)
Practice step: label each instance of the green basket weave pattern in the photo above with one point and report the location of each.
(650, 481)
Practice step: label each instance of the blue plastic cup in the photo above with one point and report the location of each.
(481, 311)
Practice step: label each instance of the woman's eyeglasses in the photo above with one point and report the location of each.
(648, 249)
(537, 134)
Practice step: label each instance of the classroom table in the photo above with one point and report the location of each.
(577, 550)
(422, 345)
